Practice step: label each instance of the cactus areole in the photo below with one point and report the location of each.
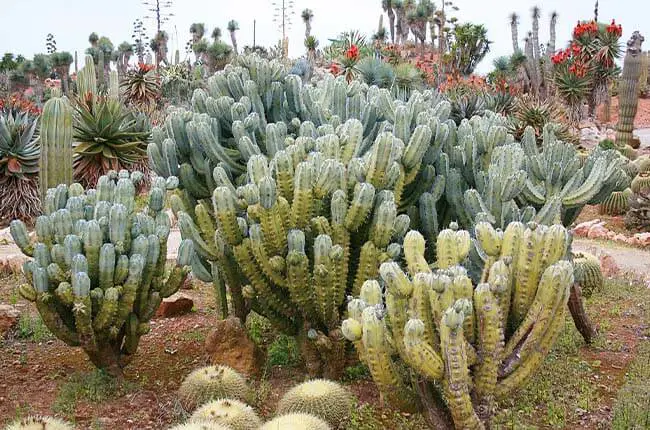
(97, 273)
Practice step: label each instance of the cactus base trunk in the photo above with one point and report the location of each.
(110, 359)
(580, 318)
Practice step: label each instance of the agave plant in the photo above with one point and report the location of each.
(142, 87)
(374, 71)
(108, 137)
(466, 106)
(407, 79)
(19, 155)
(530, 111)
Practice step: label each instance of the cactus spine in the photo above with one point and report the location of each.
(56, 145)
(629, 90)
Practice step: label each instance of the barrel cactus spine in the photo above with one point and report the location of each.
(616, 203)
(321, 398)
(211, 383)
(234, 414)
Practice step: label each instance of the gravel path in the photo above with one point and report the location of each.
(629, 260)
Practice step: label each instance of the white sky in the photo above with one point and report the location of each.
(24, 24)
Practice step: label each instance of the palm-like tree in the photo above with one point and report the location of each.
(418, 18)
(159, 46)
(61, 62)
(470, 47)
(514, 29)
(216, 34)
(93, 39)
(388, 5)
(398, 6)
(311, 43)
(307, 16)
(233, 26)
(197, 30)
(124, 53)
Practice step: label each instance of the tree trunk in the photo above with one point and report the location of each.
(579, 314)
(433, 408)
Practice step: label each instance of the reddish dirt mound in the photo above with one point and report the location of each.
(642, 119)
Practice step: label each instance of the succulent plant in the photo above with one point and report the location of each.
(98, 270)
(641, 182)
(200, 425)
(438, 324)
(616, 203)
(56, 145)
(141, 87)
(322, 398)
(211, 383)
(108, 137)
(228, 412)
(296, 422)
(628, 91)
(643, 163)
(586, 269)
(19, 154)
(39, 423)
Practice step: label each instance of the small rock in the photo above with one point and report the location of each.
(8, 319)
(229, 345)
(597, 231)
(644, 238)
(620, 238)
(583, 228)
(5, 237)
(175, 306)
(611, 234)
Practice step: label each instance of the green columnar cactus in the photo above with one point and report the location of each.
(560, 184)
(228, 412)
(87, 78)
(296, 422)
(211, 383)
(113, 85)
(98, 270)
(588, 275)
(628, 90)
(292, 195)
(56, 145)
(616, 203)
(321, 398)
(479, 342)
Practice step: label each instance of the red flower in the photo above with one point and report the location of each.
(335, 69)
(614, 29)
(352, 53)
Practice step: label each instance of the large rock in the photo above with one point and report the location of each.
(8, 319)
(583, 228)
(175, 306)
(228, 344)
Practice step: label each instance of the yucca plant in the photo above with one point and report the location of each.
(19, 154)
(407, 79)
(108, 137)
(142, 87)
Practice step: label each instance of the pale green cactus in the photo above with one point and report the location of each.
(98, 273)
(439, 325)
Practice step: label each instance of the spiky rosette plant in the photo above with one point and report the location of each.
(107, 136)
(19, 155)
(98, 272)
(141, 87)
(531, 112)
(467, 347)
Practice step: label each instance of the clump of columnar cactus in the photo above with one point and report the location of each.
(586, 268)
(39, 423)
(98, 272)
(211, 383)
(616, 203)
(228, 412)
(478, 342)
(322, 398)
(200, 425)
(628, 90)
(296, 421)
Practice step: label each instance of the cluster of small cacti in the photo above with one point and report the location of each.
(216, 394)
(628, 90)
(587, 273)
(638, 214)
(39, 423)
(480, 343)
(320, 397)
(211, 383)
(98, 270)
(616, 203)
